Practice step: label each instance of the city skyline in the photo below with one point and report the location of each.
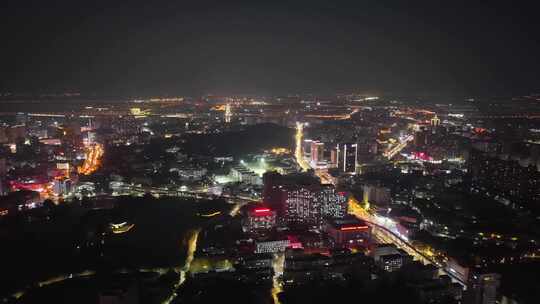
(269, 152)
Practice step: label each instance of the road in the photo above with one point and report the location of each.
(191, 242)
(396, 149)
(381, 234)
(299, 136)
(384, 235)
(93, 155)
(278, 264)
(325, 177)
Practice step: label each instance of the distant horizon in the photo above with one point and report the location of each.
(6, 94)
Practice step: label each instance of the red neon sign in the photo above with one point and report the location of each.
(353, 228)
(260, 210)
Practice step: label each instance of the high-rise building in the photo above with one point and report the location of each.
(482, 288)
(302, 200)
(306, 148)
(300, 206)
(333, 204)
(62, 186)
(347, 157)
(317, 152)
(334, 157)
(310, 205)
(228, 113)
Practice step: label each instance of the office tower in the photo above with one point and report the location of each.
(317, 152)
(306, 148)
(347, 156)
(334, 157)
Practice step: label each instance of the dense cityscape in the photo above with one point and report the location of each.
(177, 199)
(269, 152)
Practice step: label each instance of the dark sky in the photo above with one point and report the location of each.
(224, 47)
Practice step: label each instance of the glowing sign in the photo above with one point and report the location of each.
(261, 210)
(353, 228)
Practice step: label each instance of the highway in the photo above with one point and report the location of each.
(93, 155)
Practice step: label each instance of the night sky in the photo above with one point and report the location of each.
(232, 47)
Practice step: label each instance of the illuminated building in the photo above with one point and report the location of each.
(271, 246)
(32, 184)
(391, 262)
(482, 288)
(259, 219)
(228, 113)
(333, 204)
(349, 232)
(62, 186)
(334, 157)
(189, 173)
(310, 205)
(257, 261)
(317, 152)
(300, 206)
(435, 121)
(302, 200)
(389, 258)
(244, 175)
(347, 157)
